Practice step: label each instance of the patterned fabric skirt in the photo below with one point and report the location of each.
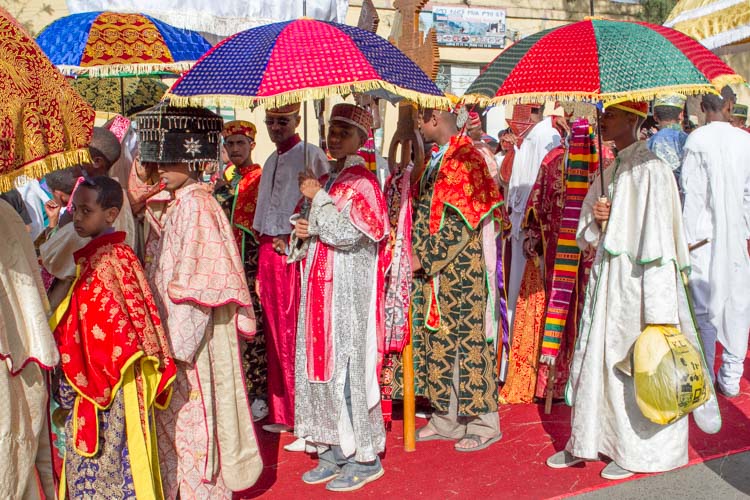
(528, 327)
(254, 355)
(107, 474)
(418, 333)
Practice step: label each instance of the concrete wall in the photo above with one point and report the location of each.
(35, 14)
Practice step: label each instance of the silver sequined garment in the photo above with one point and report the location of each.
(321, 413)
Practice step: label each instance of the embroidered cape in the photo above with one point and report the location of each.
(198, 263)
(463, 182)
(244, 205)
(357, 187)
(108, 324)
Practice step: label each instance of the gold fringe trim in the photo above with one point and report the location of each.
(478, 99)
(615, 97)
(295, 96)
(39, 168)
(116, 70)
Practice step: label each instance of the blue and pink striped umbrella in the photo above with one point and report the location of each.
(293, 61)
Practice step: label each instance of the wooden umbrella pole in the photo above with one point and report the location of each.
(603, 197)
(407, 137)
(550, 390)
(410, 410)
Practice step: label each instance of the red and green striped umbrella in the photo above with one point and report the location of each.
(602, 61)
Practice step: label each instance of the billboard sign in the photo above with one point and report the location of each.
(463, 27)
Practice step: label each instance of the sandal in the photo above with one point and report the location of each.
(432, 437)
(478, 440)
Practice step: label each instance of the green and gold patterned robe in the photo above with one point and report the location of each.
(453, 257)
(456, 197)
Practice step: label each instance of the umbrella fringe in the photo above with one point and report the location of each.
(608, 99)
(292, 97)
(115, 70)
(41, 167)
(478, 99)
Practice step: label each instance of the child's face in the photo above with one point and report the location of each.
(343, 140)
(175, 175)
(89, 218)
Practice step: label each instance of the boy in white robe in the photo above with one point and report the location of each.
(635, 281)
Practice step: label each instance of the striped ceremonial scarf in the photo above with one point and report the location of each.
(582, 156)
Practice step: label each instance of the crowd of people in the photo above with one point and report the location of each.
(175, 297)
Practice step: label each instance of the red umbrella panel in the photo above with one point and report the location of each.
(293, 61)
(44, 124)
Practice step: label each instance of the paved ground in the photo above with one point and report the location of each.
(724, 478)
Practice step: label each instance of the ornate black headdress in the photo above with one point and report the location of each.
(169, 134)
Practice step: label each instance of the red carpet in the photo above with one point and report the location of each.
(512, 468)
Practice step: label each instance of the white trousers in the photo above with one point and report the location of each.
(732, 364)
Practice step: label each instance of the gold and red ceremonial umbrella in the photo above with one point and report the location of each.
(44, 124)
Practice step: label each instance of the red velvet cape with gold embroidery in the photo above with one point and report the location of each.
(369, 214)
(463, 183)
(110, 323)
(245, 203)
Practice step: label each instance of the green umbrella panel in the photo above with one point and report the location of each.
(126, 96)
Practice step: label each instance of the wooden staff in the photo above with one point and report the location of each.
(423, 50)
(550, 391)
(408, 138)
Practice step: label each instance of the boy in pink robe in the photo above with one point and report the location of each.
(207, 445)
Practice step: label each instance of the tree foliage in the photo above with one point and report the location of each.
(656, 11)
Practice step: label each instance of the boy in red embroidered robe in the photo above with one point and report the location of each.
(115, 359)
(341, 317)
(207, 446)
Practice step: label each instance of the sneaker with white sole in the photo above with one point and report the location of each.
(259, 409)
(324, 472)
(563, 459)
(355, 475)
(614, 472)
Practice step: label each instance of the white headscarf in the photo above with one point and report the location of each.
(542, 139)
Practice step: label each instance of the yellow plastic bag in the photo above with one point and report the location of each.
(670, 380)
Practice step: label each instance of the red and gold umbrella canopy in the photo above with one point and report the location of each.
(44, 124)
(602, 61)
